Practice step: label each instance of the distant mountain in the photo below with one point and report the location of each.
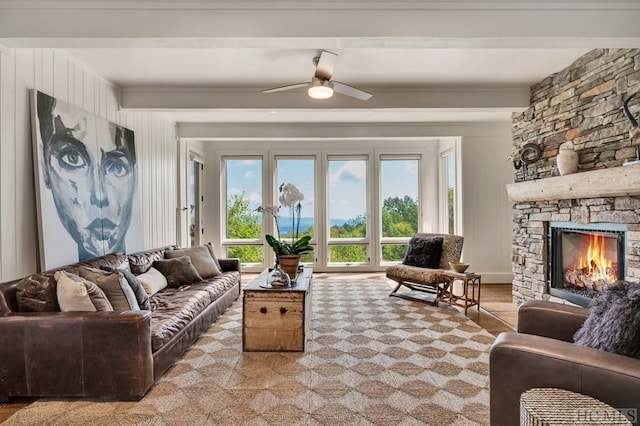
(305, 223)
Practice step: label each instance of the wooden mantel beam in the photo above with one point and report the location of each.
(612, 182)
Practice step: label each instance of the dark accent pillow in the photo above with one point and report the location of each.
(135, 284)
(37, 293)
(178, 272)
(115, 286)
(613, 324)
(424, 252)
(200, 257)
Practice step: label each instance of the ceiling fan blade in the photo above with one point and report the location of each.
(283, 88)
(345, 89)
(326, 64)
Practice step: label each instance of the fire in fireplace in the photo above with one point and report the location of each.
(584, 259)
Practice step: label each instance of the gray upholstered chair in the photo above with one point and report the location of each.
(423, 280)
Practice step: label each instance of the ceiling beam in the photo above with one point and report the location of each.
(358, 24)
(162, 99)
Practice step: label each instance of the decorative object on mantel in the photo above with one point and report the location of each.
(567, 159)
(288, 254)
(527, 154)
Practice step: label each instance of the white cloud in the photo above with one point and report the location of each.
(354, 171)
(234, 191)
(248, 162)
(255, 198)
(248, 174)
(411, 166)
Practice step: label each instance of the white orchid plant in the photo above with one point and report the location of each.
(291, 198)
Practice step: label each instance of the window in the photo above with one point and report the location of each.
(448, 191)
(399, 207)
(195, 200)
(301, 173)
(243, 225)
(347, 207)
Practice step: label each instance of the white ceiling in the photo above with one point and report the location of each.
(427, 60)
(265, 68)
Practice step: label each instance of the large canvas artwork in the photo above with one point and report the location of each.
(86, 184)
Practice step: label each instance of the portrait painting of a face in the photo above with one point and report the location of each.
(86, 184)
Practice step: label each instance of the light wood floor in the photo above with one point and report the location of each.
(497, 314)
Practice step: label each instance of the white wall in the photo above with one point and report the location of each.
(53, 72)
(486, 220)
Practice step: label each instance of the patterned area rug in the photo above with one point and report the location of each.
(373, 360)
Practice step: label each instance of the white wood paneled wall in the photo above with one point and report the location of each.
(53, 72)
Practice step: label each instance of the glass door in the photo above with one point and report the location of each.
(196, 228)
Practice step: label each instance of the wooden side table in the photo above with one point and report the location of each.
(471, 289)
(549, 406)
(276, 319)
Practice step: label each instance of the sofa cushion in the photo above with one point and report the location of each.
(112, 260)
(209, 247)
(424, 252)
(152, 281)
(140, 262)
(77, 294)
(200, 257)
(412, 274)
(174, 308)
(178, 272)
(135, 284)
(37, 293)
(114, 285)
(613, 324)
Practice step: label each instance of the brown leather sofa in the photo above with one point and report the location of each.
(107, 354)
(542, 355)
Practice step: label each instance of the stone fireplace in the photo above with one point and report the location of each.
(581, 104)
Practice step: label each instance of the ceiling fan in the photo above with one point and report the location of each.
(321, 85)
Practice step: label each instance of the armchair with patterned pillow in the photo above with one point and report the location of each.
(427, 255)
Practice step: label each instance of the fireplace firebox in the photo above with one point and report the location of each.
(583, 259)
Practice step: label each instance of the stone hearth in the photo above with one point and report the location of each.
(581, 104)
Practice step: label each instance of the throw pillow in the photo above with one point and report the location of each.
(115, 286)
(141, 295)
(209, 247)
(37, 293)
(178, 272)
(424, 252)
(613, 324)
(201, 259)
(77, 294)
(152, 281)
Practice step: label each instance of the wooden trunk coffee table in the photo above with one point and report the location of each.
(276, 319)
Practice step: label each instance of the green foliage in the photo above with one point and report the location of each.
(353, 228)
(243, 223)
(348, 254)
(283, 247)
(450, 204)
(399, 219)
(246, 254)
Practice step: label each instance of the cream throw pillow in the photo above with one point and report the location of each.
(152, 281)
(76, 294)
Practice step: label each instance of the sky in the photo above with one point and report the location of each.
(347, 182)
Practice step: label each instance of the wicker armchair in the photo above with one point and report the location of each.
(424, 279)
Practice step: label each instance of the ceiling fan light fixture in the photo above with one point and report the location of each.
(320, 89)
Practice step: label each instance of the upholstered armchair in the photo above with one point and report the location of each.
(542, 355)
(424, 279)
